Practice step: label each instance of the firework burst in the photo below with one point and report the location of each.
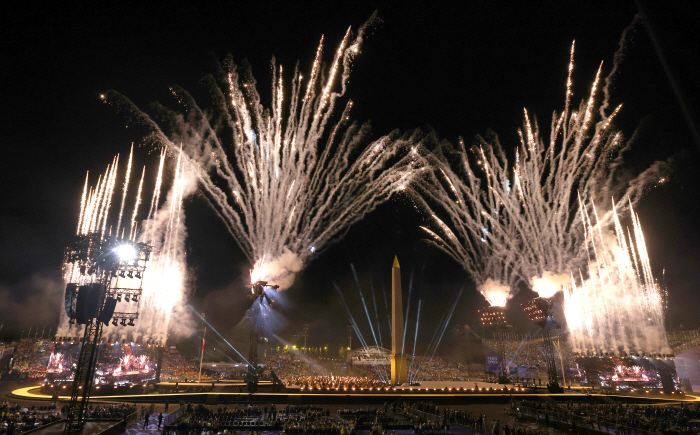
(517, 220)
(288, 179)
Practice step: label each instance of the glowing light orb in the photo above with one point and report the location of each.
(126, 252)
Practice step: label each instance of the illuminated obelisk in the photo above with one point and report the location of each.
(399, 368)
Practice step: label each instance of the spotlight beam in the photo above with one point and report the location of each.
(415, 339)
(449, 317)
(376, 314)
(217, 333)
(362, 297)
(383, 377)
(445, 320)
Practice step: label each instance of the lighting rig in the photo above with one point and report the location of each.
(107, 272)
(258, 295)
(538, 310)
(495, 317)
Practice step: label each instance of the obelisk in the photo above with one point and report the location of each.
(399, 368)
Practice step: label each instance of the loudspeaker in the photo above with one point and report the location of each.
(107, 311)
(70, 300)
(94, 300)
(81, 312)
(88, 302)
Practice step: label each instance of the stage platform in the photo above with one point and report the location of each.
(321, 397)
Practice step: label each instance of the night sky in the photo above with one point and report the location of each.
(460, 68)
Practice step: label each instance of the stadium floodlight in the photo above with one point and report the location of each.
(126, 252)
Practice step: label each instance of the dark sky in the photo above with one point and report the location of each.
(460, 68)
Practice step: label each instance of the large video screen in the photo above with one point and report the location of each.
(628, 372)
(118, 364)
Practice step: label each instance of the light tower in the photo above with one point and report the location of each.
(399, 368)
(538, 310)
(102, 266)
(495, 317)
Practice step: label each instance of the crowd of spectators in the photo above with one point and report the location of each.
(335, 382)
(178, 369)
(438, 369)
(15, 419)
(424, 416)
(428, 417)
(117, 411)
(309, 419)
(289, 365)
(30, 358)
(422, 369)
(225, 373)
(291, 419)
(363, 416)
(617, 418)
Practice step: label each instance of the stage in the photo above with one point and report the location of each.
(435, 394)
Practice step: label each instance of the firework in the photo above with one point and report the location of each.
(289, 179)
(164, 283)
(518, 220)
(619, 306)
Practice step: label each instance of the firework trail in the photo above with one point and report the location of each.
(619, 307)
(287, 180)
(165, 277)
(519, 221)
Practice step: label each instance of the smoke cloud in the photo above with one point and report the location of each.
(495, 293)
(280, 271)
(31, 302)
(549, 283)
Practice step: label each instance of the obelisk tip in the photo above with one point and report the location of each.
(396, 261)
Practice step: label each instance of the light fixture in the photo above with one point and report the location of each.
(130, 274)
(135, 298)
(71, 322)
(119, 297)
(123, 322)
(114, 322)
(138, 275)
(131, 322)
(126, 298)
(122, 274)
(126, 252)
